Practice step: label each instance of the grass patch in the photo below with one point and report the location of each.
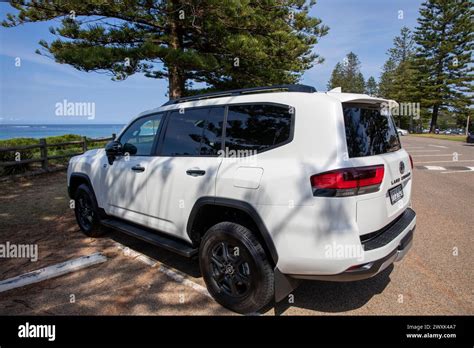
(461, 138)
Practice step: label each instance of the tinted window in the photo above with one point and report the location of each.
(139, 137)
(195, 132)
(369, 131)
(257, 127)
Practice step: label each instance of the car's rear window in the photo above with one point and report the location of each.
(369, 130)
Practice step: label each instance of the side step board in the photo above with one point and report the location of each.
(170, 244)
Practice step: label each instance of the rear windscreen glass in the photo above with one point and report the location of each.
(369, 130)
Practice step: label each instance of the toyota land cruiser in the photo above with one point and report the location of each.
(266, 186)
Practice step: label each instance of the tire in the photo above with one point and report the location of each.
(242, 278)
(87, 212)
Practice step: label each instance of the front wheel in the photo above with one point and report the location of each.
(235, 268)
(86, 210)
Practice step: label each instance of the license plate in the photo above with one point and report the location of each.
(396, 194)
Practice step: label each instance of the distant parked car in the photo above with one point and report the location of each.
(402, 131)
(470, 138)
(437, 131)
(425, 130)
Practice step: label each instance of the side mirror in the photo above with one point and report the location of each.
(129, 149)
(112, 150)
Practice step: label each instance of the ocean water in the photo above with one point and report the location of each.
(8, 131)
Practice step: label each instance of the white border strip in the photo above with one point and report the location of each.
(182, 280)
(435, 168)
(173, 274)
(471, 169)
(448, 154)
(450, 161)
(51, 271)
(176, 275)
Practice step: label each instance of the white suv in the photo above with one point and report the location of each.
(266, 186)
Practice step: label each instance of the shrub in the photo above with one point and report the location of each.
(8, 156)
(36, 152)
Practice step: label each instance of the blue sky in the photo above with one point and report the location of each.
(29, 93)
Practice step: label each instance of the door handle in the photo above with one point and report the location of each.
(195, 172)
(138, 168)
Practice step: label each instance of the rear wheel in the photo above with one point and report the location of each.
(87, 212)
(235, 268)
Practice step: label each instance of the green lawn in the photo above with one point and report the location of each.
(442, 136)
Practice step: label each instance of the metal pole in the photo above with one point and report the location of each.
(467, 125)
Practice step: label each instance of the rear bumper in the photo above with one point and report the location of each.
(369, 269)
(381, 249)
(286, 283)
(344, 254)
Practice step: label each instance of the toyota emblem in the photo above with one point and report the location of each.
(402, 167)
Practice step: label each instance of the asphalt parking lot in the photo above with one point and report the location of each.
(436, 277)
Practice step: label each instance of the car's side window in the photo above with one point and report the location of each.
(194, 132)
(257, 127)
(138, 139)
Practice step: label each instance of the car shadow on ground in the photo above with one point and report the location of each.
(185, 265)
(335, 297)
(320, 296)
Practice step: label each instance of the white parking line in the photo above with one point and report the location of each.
(425, 151)
(439, 155)
(173, 274)
(182, 280)
(440, 146)
(52, 271)
(471, 169)
(444, 161)
(435, 168)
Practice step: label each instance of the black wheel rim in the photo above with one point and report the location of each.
(230, 270)
(85, 212)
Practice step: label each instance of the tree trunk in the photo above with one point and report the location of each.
(176, 76)
(175, 82)
(434, 118)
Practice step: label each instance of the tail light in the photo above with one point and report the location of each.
(348, 181)
(411, 161)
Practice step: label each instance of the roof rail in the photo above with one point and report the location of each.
(253, 90)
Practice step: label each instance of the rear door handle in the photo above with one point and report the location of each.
(195, 172)
(138, 168)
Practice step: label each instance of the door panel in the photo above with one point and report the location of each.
(186, 167)
(126, 178)
(126, 186)
(172, 190)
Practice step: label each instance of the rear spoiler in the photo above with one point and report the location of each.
(362, 98)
